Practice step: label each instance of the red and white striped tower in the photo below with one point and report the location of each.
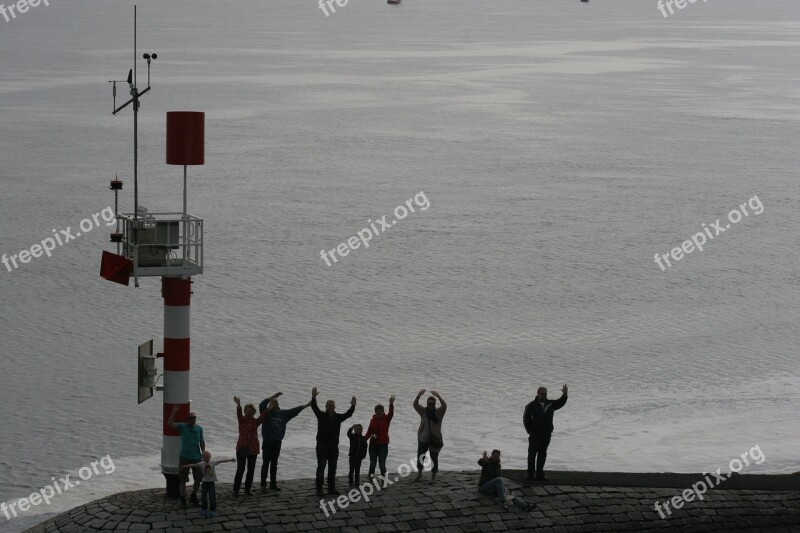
(185, 146)
(177, 298)
(166, 245)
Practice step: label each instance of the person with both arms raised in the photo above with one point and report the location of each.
(538, 420)
(329, 425)
(429, 433)
(247, 446)
(272, 432)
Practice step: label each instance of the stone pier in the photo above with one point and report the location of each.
(571, 501)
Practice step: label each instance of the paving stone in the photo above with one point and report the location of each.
(452, 505)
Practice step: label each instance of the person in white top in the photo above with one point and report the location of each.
(429, 433)
(209, 489)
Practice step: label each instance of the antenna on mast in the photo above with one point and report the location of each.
(135, 95)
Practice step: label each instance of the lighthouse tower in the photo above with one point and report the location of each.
(168, 245)
(185, 146)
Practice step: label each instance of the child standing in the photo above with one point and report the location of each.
(209, 489)
(358, 451)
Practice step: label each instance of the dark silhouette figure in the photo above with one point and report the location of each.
(538, 420)
(329, 426)
(358, 451)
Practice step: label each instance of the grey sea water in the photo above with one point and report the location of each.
(561, 145)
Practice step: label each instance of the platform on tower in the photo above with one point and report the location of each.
(163, 244)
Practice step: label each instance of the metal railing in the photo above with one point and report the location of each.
(163, 244)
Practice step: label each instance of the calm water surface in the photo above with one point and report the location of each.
(560, 144)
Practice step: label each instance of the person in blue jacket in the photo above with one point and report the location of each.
(272, 432)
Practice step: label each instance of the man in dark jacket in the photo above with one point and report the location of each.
(538, 420)
(329, 425)
(272, 432)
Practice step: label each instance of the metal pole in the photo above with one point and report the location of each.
(184, 191)
(185, 220)
(116, 212)
(135, 128)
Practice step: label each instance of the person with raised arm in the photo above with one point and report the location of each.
(272, 433)
(247, 446)
(538, 420)
(429, 433)
(192, 447)
(378, 431)
(492, 481)
(209, 491)
(329, 426)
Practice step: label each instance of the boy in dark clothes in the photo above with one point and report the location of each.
(358, 451)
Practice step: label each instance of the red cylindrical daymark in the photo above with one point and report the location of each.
(186, 132)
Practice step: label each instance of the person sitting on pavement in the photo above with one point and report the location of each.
(492, 482)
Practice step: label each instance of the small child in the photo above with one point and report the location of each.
(209, 489)
(358, 450)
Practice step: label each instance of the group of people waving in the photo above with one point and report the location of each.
(273, 420)
(375, 441)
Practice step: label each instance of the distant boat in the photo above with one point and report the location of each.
(393, 1)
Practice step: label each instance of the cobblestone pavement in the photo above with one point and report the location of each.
(452, 505)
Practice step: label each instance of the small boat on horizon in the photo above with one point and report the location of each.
(396, 2)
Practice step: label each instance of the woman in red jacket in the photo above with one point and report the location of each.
(247, 446)
(378, 431)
